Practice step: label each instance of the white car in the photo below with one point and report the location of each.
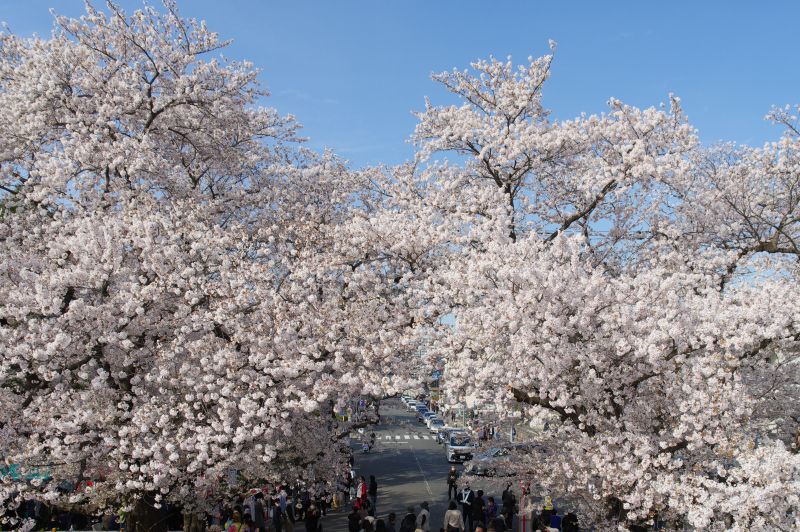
(429, 419)
(412, 405)
(459, 447)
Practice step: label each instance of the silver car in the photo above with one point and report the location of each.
(495, 461)
(435, 424)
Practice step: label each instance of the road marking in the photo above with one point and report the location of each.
(413, 435)
(427, 486)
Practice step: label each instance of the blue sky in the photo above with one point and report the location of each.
(353, 71)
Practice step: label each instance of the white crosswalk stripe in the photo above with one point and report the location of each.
(413, 435)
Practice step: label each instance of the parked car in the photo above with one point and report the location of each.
(433, 417)
(443, 433)
(459, 447)
(434, 425)
(495, 461)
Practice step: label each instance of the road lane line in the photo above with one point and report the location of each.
(422, 472)
(397, 437)
(406, 436)
(416, 436)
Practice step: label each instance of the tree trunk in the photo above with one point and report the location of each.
(145, 517)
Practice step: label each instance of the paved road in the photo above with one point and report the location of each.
(410, 468)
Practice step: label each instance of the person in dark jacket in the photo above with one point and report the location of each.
(391, 522)
(466, 498)
(258, 509)
(409, 522)
(569, 523)
(372, 493)
(278, 518)
(452, 477)
(509, 501)
(478, 509)
(353, 521)
(312, 519)
(498, 523)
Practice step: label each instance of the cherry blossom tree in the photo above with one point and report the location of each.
(175, 299)
(614, 277)
(185, 289)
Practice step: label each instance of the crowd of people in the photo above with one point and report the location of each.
(287, 509)
(468, 510)
(472, 511)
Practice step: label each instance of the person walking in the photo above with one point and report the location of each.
(372, 492)
(466, 499)
(453, 520)
(409, 522)
(452, 477)
(424, 518)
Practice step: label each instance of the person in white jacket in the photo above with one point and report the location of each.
(424, 518)
(453, 522)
